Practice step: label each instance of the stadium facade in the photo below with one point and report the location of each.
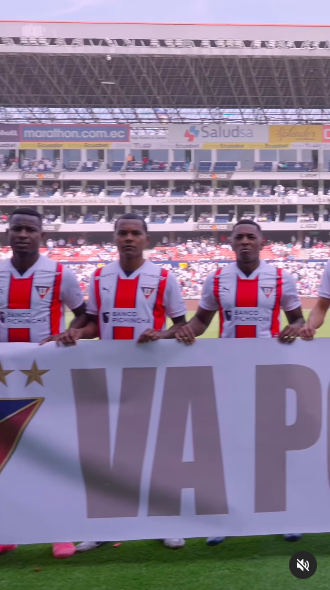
(193, 126)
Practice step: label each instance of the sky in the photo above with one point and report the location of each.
(180, 11)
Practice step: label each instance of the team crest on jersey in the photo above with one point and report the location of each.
(267, 290)
(42, 291)
(147, 291)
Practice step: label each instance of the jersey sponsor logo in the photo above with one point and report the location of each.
(127, 317)
(105, 317)
(249, 316)
(21, 318)
(267, 291)
(42, 291)
(147, 291)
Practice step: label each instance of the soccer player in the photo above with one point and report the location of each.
(319, 311)
(129, 300)
(248, 295)
(34, 291)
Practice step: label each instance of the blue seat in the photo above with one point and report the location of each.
(204, 166)
(116, 166)
(179, 166)
(263, 166)
(225, 167)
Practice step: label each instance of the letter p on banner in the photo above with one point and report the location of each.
(273, 437)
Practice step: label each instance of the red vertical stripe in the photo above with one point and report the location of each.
(98, 296)
(275, 327)
(216, 290)
(125, 299)
(97, 287)
(19, 297)
(246, 296)
(56, 303)
(159, 308)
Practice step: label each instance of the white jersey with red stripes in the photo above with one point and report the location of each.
(32, 304)
(324, 290)
(249, 307)
(129, 305)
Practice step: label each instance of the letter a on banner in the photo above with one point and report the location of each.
(188, 387)
(273, 437)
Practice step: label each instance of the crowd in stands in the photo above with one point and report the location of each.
(34, 165)
(193, 261)
(291, 194)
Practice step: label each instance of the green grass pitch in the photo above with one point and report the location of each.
(250, 563)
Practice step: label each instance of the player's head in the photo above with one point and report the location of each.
(246, 241)
(131, 235)
(25, 231)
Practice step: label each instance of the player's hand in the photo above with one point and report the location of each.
(307, 332)
(149, 336)
(68, 338)
(185, 334)
(289, 334)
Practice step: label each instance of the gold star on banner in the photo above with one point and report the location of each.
(34, 374)
(3, 375)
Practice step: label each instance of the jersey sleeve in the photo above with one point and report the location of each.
(290, 299)
(71, 293)
(324, 290)
(174, 305)
(92, 308)
(208, 300)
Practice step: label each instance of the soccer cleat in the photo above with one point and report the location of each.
(174, 543)
(90, 546)
(292, 537)
(213, 541)
(63, 550)
(7, 548)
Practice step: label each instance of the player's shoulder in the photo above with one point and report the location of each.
(47, 264)
(5, 265)
(151, 269)
(107, 270)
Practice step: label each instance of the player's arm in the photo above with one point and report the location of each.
(316, 319)
(207, 308)
(292, 308)
(175, 308)
(318, 313)
(196, 327)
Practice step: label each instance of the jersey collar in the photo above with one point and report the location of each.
(252, 275)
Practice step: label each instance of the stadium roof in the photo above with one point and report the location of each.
(152, 74)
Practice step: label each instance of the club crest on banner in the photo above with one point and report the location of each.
(15, 415)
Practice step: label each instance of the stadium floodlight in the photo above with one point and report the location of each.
(271, 44)
(129, 42)
(60, 41)
(43, 41)
(169, 43)
(205, 43)
(290, 45)
(220, 43)
(77, 42)
(327, 45)
(106, 83)
(7, 41)
(108, 58)
(154, 43)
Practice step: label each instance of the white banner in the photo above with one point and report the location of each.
(161, 440)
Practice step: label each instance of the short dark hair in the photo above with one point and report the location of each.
(132, 216)
(27, 211)
(247, 222)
